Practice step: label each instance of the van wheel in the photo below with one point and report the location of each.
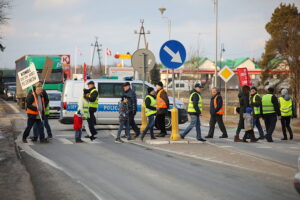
(168, 122)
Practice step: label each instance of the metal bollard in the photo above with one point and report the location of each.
(175, 129)
(144, 118)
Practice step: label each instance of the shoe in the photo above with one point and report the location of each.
(129, 138)
(87, 136)
(50, 137)
(261, 138)
(44, 140)
(142, 137)
(137, 135)
(237, 139)
(79, 141)
(153, 138)
(291, 136)
(223, 136)
(254, 140)
(123, 136)
(92, 138)
(209, 136)
(119, 141)
(285, 138)
(24, 141)
(201, 140)
(181, 136)
(34, 139)
(162, 135)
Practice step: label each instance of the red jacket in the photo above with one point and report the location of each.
(77, 122)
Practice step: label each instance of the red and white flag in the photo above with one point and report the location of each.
(108, 52)
(84, 72)
(79, 52)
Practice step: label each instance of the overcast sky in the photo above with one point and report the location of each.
(58, 26)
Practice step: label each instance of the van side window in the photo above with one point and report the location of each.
(138, 88)
(110, 90)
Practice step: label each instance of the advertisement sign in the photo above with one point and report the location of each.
(244, 77)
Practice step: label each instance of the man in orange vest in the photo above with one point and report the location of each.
(216, 114)
(35, 111)
(162, 104)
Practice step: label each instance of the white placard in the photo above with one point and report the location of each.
(28, 76)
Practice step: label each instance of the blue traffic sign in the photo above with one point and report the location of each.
(172, 54)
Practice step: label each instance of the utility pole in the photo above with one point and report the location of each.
(98, 48)
(216, 59)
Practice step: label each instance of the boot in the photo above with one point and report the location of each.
(237, 139)
(291, 136)
(252, 137)
(246, 136)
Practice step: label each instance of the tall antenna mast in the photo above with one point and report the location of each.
(98, 48)
(142, 33)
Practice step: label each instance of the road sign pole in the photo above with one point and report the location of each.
(225, 101)
(173, 87)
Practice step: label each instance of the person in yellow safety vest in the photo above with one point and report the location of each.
(194, 109)
(255, 103)
(216, 114)
(270, 109)
(93, 100)
(150, 109)
(83, 110)
(162, 104)
(288, 111)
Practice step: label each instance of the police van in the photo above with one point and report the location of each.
(110, 92)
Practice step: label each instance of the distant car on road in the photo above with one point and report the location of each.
(55, 103)
(10, 92)
(297, 178)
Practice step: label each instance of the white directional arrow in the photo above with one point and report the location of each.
(175, 56)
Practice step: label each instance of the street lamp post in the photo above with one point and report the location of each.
(216, 59)
(162, 10)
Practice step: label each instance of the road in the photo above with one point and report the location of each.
(127, 171)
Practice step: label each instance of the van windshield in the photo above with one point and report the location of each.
(54, 96)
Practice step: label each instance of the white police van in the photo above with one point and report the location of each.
(110, 92)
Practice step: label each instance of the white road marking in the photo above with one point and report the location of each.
(64, 140)
(226, 146)
(294, 147)
(30, 142)
(264, 147)
(87, 140)
(11, 106)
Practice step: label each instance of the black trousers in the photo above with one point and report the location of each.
(30, 123)
(270, 123)
(212, 123)
(285, 124)
(133, 124)
(160, 119)
(92, 122)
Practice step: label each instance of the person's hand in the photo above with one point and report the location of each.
(279, 117)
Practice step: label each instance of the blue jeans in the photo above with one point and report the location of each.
(256, 123)
(78, 134)
(127, 128)
(150, 126)
(46, 125)
(195, 121)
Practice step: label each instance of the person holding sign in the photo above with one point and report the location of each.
(35, 112)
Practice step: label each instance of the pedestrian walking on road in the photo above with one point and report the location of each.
(150, 106)
(132, 106)
(244, 103)
(124, 118)
(249, 125)
(78, 126)
(255, 103)
(216, 114)
(195, 109)
(35, 113)
(93, 106)
(271, 110)
(83, 110)
(163, 105)
(288, 110)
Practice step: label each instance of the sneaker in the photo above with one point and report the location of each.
(129, 138)
(79, 141)
(87, 136)
(119, 141)
(44, 140)
(261, 138)
(24, 141)
(123, 136)
(223, 136)
(50, 137)
(201, 140)
(92, 138)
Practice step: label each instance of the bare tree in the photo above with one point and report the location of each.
(4, 5)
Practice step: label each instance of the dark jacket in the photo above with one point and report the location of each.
(45, 95)
(29, 102)
(92, 98)
(132, 100)
(257, 103)
(213, 110)
(164, 96)
(244, 103)
(123, 111)
(148, 103)
(195, 100)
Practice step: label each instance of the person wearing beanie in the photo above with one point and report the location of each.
(255, 103)
(270, 111)
(150, 110)
(195, 109)
(162, 104)
(93, 102)
(288, 110)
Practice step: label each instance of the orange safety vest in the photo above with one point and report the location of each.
(221, 111)
(160, 103)
(35, 104)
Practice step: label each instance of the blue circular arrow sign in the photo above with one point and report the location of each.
(172, 54)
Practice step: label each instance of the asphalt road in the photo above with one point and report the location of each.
(126, 171)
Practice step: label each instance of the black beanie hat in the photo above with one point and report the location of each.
(253, 88)
(271, 90)
(160, 84)
(150, 89)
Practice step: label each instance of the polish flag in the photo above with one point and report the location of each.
(108, 52)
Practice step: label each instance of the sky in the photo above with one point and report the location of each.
(61, 26)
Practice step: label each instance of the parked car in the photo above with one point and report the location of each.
(10, 92)
(297, 178)
(110, 92)
(54, 103)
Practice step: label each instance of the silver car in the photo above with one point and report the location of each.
(54, 103)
